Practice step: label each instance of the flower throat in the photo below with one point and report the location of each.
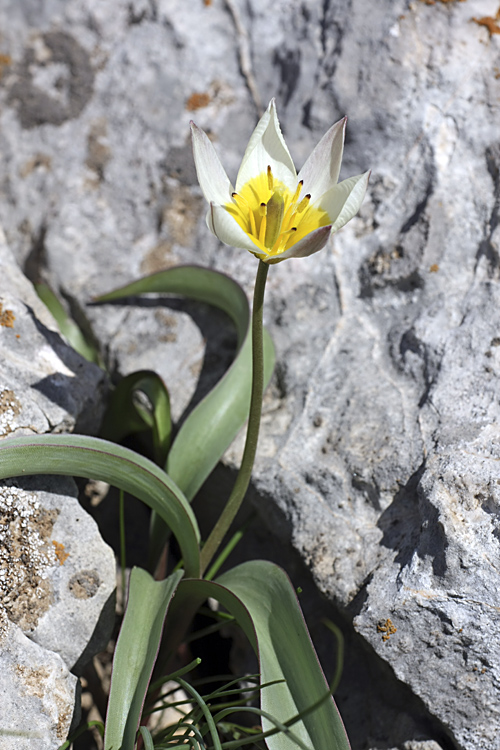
(273, 216)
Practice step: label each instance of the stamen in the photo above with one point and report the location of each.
(297, 191)
(303, 203)
(292, 208)
(240, 201)
(253, 227)
(268, 211)
(270, 181)
(263, 225)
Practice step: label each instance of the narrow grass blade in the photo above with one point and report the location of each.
(146, 738)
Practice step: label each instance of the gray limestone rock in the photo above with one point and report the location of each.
(45, 386)
(379, 453)
(37, 693)
(57, 576)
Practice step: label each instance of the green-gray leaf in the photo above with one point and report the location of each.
(214, 423)
(135, 655)
(125, 415)
(67, 325)
(260, 596)
(84, 456)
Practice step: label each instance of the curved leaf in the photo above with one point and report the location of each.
(84, 456)
(260, 596)
(286, 651)
(135, 655)
(67, 325)
(212, 426)
(198, 283)
(214, 423)
(126, 415)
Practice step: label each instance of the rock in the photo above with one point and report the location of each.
(38, 693)
(57, 581)
(45, 386)
(379, 447)
(57, 576)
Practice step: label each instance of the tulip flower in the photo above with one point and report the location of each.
(272, 212)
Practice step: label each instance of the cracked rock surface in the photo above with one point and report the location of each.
(380, 446)
(38, 693)
(57, 576)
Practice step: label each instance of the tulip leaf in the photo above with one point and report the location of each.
(126, 414)
(66, 325)
(197, 283)
(135, 655)
(211, 427)
(260, 596)
(84, 456)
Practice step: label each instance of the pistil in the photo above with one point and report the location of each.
(274, 219)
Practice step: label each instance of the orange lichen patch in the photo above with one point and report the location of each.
(197, 101)
(5, 61)
(60, 552)
(207, 2)
(490, 22)
(434, 268)
(7, 318)
(387, 628)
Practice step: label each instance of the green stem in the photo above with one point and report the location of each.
(243, 479)
(123, 547)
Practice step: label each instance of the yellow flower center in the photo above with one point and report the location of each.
(273, 216)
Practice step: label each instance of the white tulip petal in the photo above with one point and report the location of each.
(267, 147)
(214, 182)
(257, 133)
(228, 231)
(322, 168)
(343, 201)
(308, 245)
